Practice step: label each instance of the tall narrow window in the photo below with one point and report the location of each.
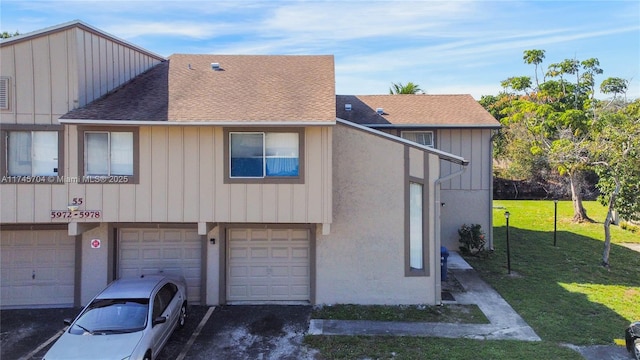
(416, 260)
(32, 153)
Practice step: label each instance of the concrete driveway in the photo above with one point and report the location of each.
(226, 332)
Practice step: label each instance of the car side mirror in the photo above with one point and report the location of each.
(159, 320)
(67, 322)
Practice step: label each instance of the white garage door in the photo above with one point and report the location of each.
(167, 251)
(37, 268)
(268, 265)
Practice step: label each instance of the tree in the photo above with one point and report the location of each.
(6, 35)
(557, 116)
(616, 147)
(615, 86)
(399, 88)
(534, 57)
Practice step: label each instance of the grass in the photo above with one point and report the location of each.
(561, 291)
(469, 314)
(409, 348)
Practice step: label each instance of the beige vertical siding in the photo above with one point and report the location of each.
(475, 146)
(181, 179)
(59, 71)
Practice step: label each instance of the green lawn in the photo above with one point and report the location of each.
(561, 291)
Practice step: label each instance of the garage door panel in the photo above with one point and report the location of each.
(259, 253)
(239, 253)
(277, 261)
(280, 252)
(300, 253)
(300, 290)
(167, 251)
(239, 291)
(191, 254)
(259, 271)
(151, 254)
(280, 271)
(259, 291)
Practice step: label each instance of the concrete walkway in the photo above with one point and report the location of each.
(505, 323)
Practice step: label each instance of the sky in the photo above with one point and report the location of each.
(446, 47)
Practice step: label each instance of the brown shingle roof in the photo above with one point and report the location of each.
(144, 98)
(418, 110)
(247, 88)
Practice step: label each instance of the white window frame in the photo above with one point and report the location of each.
(416, 226)
(416, 132)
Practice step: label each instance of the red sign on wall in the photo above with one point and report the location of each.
(95, 243)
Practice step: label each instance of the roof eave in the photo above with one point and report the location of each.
(82, 25)
(194, 123)
(441, 154)
(435, 126)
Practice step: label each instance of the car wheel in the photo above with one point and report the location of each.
(183, 315)
(636, 349)
(147, 356)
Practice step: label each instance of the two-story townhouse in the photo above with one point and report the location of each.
(230, 170)
(456, 124)
(44, 75)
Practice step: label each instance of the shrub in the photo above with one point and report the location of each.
(472, 239)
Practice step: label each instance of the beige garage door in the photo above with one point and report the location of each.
(37, 268)
(266, 265)
(167, 251)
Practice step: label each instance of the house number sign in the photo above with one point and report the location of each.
(72, 211)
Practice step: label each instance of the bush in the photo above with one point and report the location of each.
(472, 239)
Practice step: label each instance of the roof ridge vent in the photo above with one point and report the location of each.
(380, 111)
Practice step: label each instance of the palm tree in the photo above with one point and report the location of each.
(410, 88)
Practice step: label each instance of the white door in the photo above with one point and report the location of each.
(37, 268)
(167, 251)
(266, 265)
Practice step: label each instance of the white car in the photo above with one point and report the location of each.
(131, 319)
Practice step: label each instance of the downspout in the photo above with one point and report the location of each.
(496, 133)
(438, 240)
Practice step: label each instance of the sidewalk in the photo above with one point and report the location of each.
(505, 323)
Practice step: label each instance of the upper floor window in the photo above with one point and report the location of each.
(421, 137)
(32, 153)
(268, 155)
(31, 156)
(109, 153)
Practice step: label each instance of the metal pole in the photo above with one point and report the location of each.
(506, 215)
(555, 222)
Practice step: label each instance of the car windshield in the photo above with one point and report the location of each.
(112, 316)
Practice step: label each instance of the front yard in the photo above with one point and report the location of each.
(561, 291)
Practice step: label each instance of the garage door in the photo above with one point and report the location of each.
(37, 268)
(167, 251)
(267, 265)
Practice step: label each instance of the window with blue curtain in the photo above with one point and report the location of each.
(258, 155)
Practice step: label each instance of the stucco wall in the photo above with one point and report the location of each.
(94, 263)
(362, 260)
(463, 207)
